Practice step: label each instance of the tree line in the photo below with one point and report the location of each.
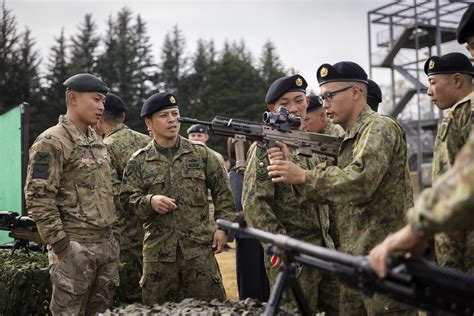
(207, 82)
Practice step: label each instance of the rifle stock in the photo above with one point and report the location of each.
(416, 282)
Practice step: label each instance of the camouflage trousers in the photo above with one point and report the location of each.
(197, 278)
(353, 302)
(130, 275)
(84, 280)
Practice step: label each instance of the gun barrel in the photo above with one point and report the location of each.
(192, 121)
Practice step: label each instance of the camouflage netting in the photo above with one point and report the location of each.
(25, 288)
(196, 307)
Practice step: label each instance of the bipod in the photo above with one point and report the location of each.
(285, 279)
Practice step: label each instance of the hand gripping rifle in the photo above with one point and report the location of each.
(22, 229)
(277, 127)
(416, 282)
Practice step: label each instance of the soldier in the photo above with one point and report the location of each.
(200, 133)
(450, 79)
(370, 186)
(316, 120)
(166, 185)
(273, 207)
(121, 143)
(68, 193)
(465, 31)
(374, 95)
(448, 207)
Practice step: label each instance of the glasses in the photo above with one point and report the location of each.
(470, 45)
(329, 95)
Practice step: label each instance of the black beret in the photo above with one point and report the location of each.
(342, 71)
(314, 104)
(448, 64)
(466, 25)
(114, 104)
(374, 95)
(283, 85)
(197, 128)
(158, 102)
(86, 83)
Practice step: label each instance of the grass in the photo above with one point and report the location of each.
(226, 260)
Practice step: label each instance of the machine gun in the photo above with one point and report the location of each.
(23, 230)
(416, 282)
(277, 127)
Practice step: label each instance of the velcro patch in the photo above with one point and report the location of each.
(41, 166)
(194, 163)
(262, 174)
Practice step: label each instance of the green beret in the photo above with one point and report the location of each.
(466, 25)
(197, 128)
(448, 64)
(342, 71)
(283, 85)
(158, 102)
(86, 83)
(314, 104)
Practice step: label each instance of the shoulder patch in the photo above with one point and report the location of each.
(41, 166)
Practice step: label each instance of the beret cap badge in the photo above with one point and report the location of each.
(172, 99)
(299, 82)
(323, 72)
(431, 65)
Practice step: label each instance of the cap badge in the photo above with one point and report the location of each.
(323, 72)
(431, 64)
(172, 99)
(299, 82)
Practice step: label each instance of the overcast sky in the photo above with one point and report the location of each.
(305, 33)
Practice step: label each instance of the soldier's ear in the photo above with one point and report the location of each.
(271, 107)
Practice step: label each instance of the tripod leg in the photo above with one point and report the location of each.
(276, 293)
(299, 296)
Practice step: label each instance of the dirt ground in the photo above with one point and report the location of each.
(226, 261)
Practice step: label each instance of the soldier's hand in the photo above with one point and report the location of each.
(283, 171)
(219, 241)
(279, 152)
(405, 240)
(162, 204)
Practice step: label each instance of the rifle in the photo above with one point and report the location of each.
(277, 127)
(416, 282)
(23, 229)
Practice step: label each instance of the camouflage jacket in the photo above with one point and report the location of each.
(370, 187)
(68, 187)
(453, 132)
(449, 205)
(121, 143)
(273, 207)
(193, 170)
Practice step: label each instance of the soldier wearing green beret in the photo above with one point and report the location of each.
(370, 186)
(273, 207)
(68, 193)
(121, 143)
(166, 185)
(450, 88)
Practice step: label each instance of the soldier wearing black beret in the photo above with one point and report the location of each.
(374, 95)
(86, 83)
(369, 187)
(465, 31)
(450, 88)
(316, 120)
(166, 185)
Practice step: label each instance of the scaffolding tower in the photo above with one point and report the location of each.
(401, 36)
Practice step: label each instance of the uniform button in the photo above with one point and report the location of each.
(261, 164)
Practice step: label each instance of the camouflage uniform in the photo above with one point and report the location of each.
(455, 250)
(69, 195)
(370, 189)
(121, 143)
(177, 257)
(449, 205)
(274, 208)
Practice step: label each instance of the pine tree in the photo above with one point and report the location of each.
(173, 63)
(58, 70)
(270, 66)
(84, 46)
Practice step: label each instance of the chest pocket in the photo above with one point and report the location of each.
(194, 190)
(444, 128)
(155, 184)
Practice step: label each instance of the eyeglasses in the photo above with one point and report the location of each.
(329, 95)
(470, 45)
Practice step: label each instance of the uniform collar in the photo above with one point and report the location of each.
(184, 146)
(361, 119)
(76, 134)
(467, 98)
(116, 128)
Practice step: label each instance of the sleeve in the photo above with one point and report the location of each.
(41, 188)
(449, 205)
(259, 193)
(218, 182)
(356, 182)
(132, 195)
